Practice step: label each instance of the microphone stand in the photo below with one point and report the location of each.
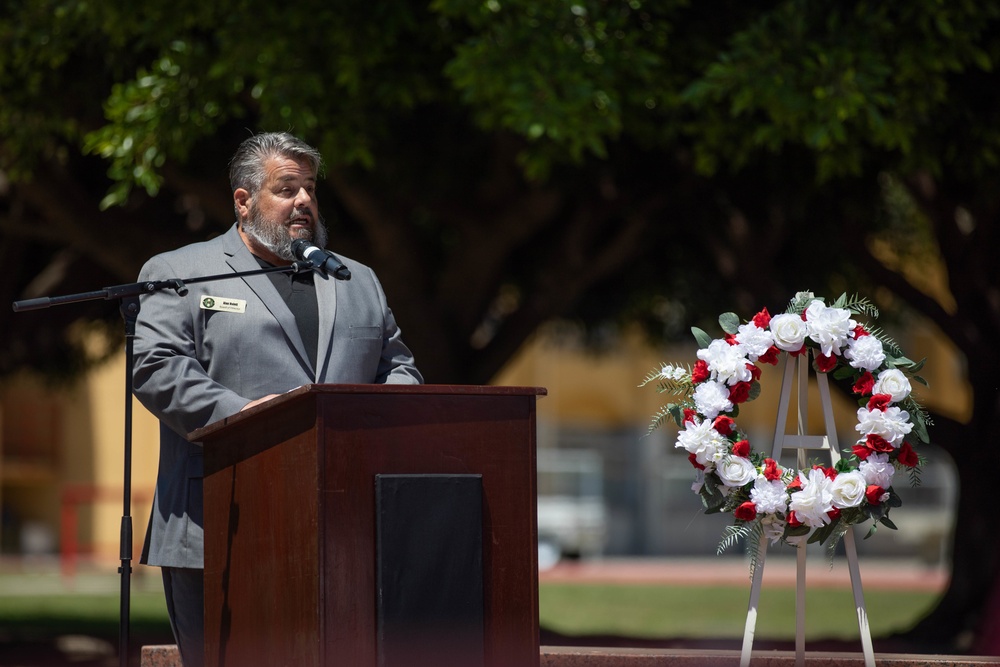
(129, 294)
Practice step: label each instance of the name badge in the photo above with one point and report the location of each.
(223, 304)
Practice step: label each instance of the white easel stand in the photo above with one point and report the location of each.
(802, 443)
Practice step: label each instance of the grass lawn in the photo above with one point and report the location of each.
(647, 611)
(97, 614)
(660, 611)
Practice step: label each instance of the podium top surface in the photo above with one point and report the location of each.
(355, 389)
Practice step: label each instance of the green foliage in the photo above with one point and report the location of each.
(563, 74)
(841, 80)
(569, 78)
(660, 418)
(731, 535)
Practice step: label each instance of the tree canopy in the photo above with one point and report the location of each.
(502, 163)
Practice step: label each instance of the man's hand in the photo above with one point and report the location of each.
(258, 401)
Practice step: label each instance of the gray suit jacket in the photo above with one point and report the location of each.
(195, 365)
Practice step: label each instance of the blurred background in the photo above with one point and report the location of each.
(552, 193)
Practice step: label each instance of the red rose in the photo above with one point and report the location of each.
(907, 456)
(771, 356)
(731, 339)
(739, 392)
(754, 371)
(861, 451)
(834, 514)
(793, 520)
(859, 331)
(762, 319)
(694, 461)
(879, 402)
(829, 473)
(795, 484)
(746, 512)
(825, 363)
(689, 415)
(723, 424)
(878, 443)
(771, 470)
(741, 448)
(863, 385)
(700, 372)
(874, 494)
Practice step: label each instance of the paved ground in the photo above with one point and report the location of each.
(778, 571)
(42, 577)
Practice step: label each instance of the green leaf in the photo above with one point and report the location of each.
(821, 534)
(730, 323)
(795, 531)
(702, 338)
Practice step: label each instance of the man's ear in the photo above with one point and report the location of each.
(241, 202)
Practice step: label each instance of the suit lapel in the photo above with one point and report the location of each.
(240, 259)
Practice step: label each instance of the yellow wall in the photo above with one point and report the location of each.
(87, 422)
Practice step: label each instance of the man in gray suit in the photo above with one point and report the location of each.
(232, 344)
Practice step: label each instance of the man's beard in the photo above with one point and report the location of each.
(275, 237)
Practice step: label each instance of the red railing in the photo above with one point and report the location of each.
(71, 498)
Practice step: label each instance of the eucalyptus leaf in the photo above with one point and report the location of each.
(702, 338)
(730, 323)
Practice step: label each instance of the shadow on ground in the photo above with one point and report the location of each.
(25, 647)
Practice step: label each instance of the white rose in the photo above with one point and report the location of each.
(892, 424)
(848, 489)
(700, 439)
(865, 353)
(753, 340)
(770, 496)
(877, 470)
(829, 327)
(735, 471)
(711, 398)
(727, 363)
(789, 331)
(812, 503)
(892, 381)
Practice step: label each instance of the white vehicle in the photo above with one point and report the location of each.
(572, 517)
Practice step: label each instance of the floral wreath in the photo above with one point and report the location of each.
(766, 499)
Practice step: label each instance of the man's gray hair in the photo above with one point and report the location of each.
(246, 170)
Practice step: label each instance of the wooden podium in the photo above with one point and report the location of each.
(373, 525)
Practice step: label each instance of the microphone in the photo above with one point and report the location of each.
(320, 259)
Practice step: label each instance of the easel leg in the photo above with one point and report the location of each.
(751, 624)
(859, 599)
(800, 604)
